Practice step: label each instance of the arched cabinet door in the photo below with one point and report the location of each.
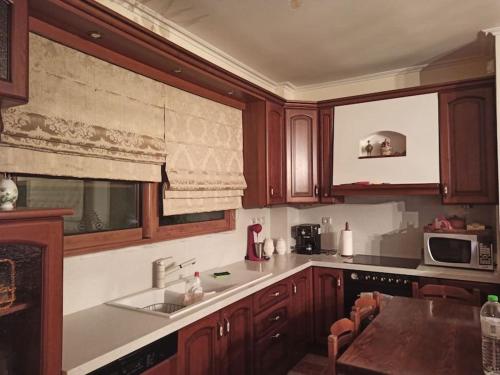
(469, 173)
(275, 141)
(302, 155)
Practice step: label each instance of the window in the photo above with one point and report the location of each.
(191, 218)
(99, 205)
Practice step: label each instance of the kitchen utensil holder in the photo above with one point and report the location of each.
(8, 293)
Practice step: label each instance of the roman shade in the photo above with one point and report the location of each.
(86, 118)
(204, 165)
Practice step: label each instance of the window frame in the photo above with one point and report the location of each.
(151, 210)
(150, 230)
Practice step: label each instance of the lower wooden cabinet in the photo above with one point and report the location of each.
(328, 302)
(272, 352)
(301, 316)
(218, 344)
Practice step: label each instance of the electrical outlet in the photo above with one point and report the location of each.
(255, 220)
(262, 220)
(325, 219)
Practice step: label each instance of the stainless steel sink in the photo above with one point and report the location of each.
(169, 301)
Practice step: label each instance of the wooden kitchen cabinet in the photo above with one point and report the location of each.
(272, 352)
(302, 155)
(469, 173)
(218, 344)
(31, 267)
(264, 154)
(13, 52)
(328, 302)
(238, 344)
(301, 313)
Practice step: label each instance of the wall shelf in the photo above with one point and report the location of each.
(382, 156)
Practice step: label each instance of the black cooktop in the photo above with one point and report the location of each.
(386, 261)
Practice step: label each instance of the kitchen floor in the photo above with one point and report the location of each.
(311, 364)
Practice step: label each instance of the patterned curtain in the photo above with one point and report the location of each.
(86, 118)
(204, 165)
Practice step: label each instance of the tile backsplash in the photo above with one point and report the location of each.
(392, 226)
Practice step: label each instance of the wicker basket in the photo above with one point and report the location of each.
(8, 290)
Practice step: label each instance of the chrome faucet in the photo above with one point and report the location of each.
(164, 267)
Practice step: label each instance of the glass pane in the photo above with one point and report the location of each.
(5, 10)
(450, 250)
(20, 315)
(191, 218)
(99, 205)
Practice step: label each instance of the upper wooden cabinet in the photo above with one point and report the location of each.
(13, 52)
(264, 154)
(469, 173)
(302, 155)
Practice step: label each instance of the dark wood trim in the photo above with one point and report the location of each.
(387, 189)
(149, 202)
(92, 242)
(30, 213)
(417, 90)
(15, 91)
(85, 46)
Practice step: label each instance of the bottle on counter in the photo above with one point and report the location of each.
(194, 290)
(490, 332)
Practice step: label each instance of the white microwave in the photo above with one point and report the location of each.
(474, 251)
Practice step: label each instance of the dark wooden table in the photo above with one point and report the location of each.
(414, 336)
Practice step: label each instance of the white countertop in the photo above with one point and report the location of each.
(97, 336)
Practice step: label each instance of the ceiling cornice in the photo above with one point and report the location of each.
(155, 22)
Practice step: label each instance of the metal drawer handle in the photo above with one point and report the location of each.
(272, 191)
(275, 318)
(275, 294)
(228, 326)
(276, 336)
(294, 288)
(220, 329)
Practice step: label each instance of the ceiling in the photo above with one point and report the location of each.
(327, 40)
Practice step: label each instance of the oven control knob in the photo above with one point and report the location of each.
(383, 279)
(354, 276)
(398, 281)
(406, 282)
(368, 277)
(375, 278)
(390, 280)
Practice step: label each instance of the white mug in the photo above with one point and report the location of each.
(268, 247)
(281, 246)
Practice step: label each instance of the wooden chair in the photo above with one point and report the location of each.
(364, 311)
(452, 293)
(341, 336)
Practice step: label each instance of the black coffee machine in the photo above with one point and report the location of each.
(307, 238)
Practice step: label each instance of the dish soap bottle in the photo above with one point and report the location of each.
(194, 290)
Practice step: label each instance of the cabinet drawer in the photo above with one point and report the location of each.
(272, 352)
(271, 319)
(270, 296)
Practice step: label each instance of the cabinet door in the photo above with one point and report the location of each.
(199, 347)
(328, 302)
(326, 153)
(468, 145)
(275, 139)
(272, 352)
(301, 313)
(13, 52)
(238, 344)
(302, 155)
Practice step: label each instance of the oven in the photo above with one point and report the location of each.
(356, 282)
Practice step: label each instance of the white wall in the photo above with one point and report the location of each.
(391, 226)
(93, 279)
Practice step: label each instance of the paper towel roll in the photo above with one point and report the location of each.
(347, 248)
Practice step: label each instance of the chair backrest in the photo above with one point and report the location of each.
(364, 310)
(341, 336)
(452, 293)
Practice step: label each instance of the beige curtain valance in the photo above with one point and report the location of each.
(204, 165)
(86, 118)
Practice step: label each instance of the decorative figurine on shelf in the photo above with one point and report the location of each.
(8, 193)
(369, 149)
(386, 148)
